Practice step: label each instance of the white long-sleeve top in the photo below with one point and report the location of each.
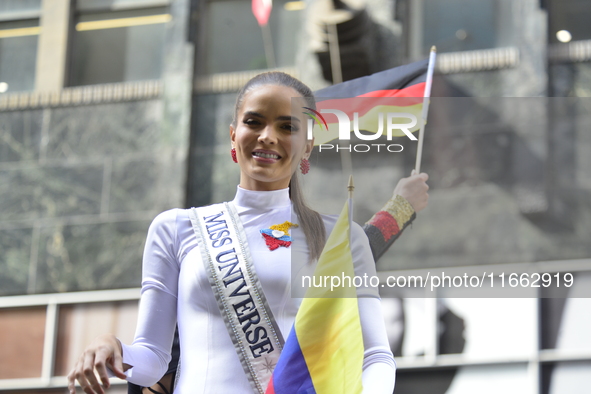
(175, 287)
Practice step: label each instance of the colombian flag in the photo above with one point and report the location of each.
(323, 353)
(399, 89)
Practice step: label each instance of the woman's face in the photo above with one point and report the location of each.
(269, 140)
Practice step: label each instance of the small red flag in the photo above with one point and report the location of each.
(261, 10)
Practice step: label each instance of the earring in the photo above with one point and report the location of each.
(304, 166)
(233, 153)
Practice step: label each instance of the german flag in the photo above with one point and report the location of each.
(398, 90)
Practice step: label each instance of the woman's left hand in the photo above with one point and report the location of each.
(414, 190)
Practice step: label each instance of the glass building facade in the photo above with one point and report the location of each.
(112, 111)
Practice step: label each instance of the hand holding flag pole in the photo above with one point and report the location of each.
(426, 97)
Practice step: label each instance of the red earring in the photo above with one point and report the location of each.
(304, 166)
(233, 153)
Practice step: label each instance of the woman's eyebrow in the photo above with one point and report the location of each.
(294, 119)
(253, 113)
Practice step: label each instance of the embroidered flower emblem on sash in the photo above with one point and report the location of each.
(278, 235)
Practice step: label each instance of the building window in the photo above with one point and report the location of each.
(21, 339)
(117, 46)
(569, 20)
(457, 25)
(19, 34)
(234, 40)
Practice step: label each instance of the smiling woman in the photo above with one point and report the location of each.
(272, 93)
(199, 269)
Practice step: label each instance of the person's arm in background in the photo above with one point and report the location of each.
(409, 197)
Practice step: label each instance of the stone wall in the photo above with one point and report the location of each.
(79, 187)
(83, 171)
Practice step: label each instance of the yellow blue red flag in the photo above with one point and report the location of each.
(323, 353)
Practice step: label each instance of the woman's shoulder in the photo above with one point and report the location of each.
(169, 217)
(331, 220)
(171, 223)
(173, 229)
(176, 223)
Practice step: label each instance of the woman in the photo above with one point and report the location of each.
(269, 144)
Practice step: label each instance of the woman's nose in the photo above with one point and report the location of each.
(268, 135)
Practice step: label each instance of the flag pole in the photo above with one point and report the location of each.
(426, 97)
(350, 188)
(337, 77)
(268, 45)
(335, 53)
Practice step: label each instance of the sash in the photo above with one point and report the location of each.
(238, 292)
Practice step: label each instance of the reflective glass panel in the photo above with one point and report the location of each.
(22, 333)
(118, 46)
(9, 8)
(18, 55)
(566, 322)
(234, 40)
(566, 377)
(569, 15)
(79, 324)
(462, 25)
(510, 379)
(501, 327)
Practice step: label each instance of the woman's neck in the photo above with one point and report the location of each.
(262, 199)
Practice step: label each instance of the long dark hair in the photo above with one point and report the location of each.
(309, 220)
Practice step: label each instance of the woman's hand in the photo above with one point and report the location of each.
(104, 352)
(414, 190)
